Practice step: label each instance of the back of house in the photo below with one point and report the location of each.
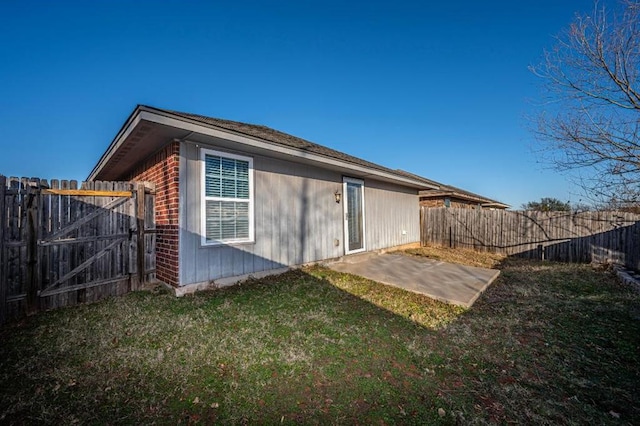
(236, 199)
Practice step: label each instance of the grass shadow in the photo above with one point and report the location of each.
(292, 348)
(545, 343)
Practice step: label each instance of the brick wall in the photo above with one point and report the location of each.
(432, 202)
(162, 169)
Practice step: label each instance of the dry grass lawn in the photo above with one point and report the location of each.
(547, 343)
(461, 256)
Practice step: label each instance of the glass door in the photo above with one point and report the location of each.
(353, 215)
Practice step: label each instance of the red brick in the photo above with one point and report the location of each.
(163, 169)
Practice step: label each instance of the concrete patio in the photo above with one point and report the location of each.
(448, 282)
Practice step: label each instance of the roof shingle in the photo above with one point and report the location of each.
(284, 139)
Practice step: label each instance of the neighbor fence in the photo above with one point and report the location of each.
(607, 237)
(61, 244)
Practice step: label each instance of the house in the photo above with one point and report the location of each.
(236, 199)
(450, 196)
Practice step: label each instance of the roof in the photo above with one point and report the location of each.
(281, 138)
(131, 138)
(453, 192)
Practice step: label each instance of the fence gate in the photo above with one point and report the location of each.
(61, 245)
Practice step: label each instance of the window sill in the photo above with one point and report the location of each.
(229, 244)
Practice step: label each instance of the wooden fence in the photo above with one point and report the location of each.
(61, 245)
(568, 237)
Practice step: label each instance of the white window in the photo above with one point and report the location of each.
(227, 198)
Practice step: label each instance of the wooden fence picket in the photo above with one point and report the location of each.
(3, 261)
(563, 236)
(62, 243)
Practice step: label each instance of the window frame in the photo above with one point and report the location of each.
(204, 198)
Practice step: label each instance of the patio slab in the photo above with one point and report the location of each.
(448, 282)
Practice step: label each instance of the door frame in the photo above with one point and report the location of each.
(345, 181)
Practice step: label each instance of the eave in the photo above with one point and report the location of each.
(484, 202)
(148, 129)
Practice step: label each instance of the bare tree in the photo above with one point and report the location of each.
(590, 120)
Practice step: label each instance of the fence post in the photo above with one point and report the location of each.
(140, 222)
(422, 227)
(3, 263)
(32, 248)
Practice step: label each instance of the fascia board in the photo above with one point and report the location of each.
(124, 133)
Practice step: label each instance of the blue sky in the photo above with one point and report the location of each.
(440, 89)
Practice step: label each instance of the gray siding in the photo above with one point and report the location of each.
(296, 218)
(389, 210)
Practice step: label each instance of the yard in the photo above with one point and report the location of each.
(546, 343)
